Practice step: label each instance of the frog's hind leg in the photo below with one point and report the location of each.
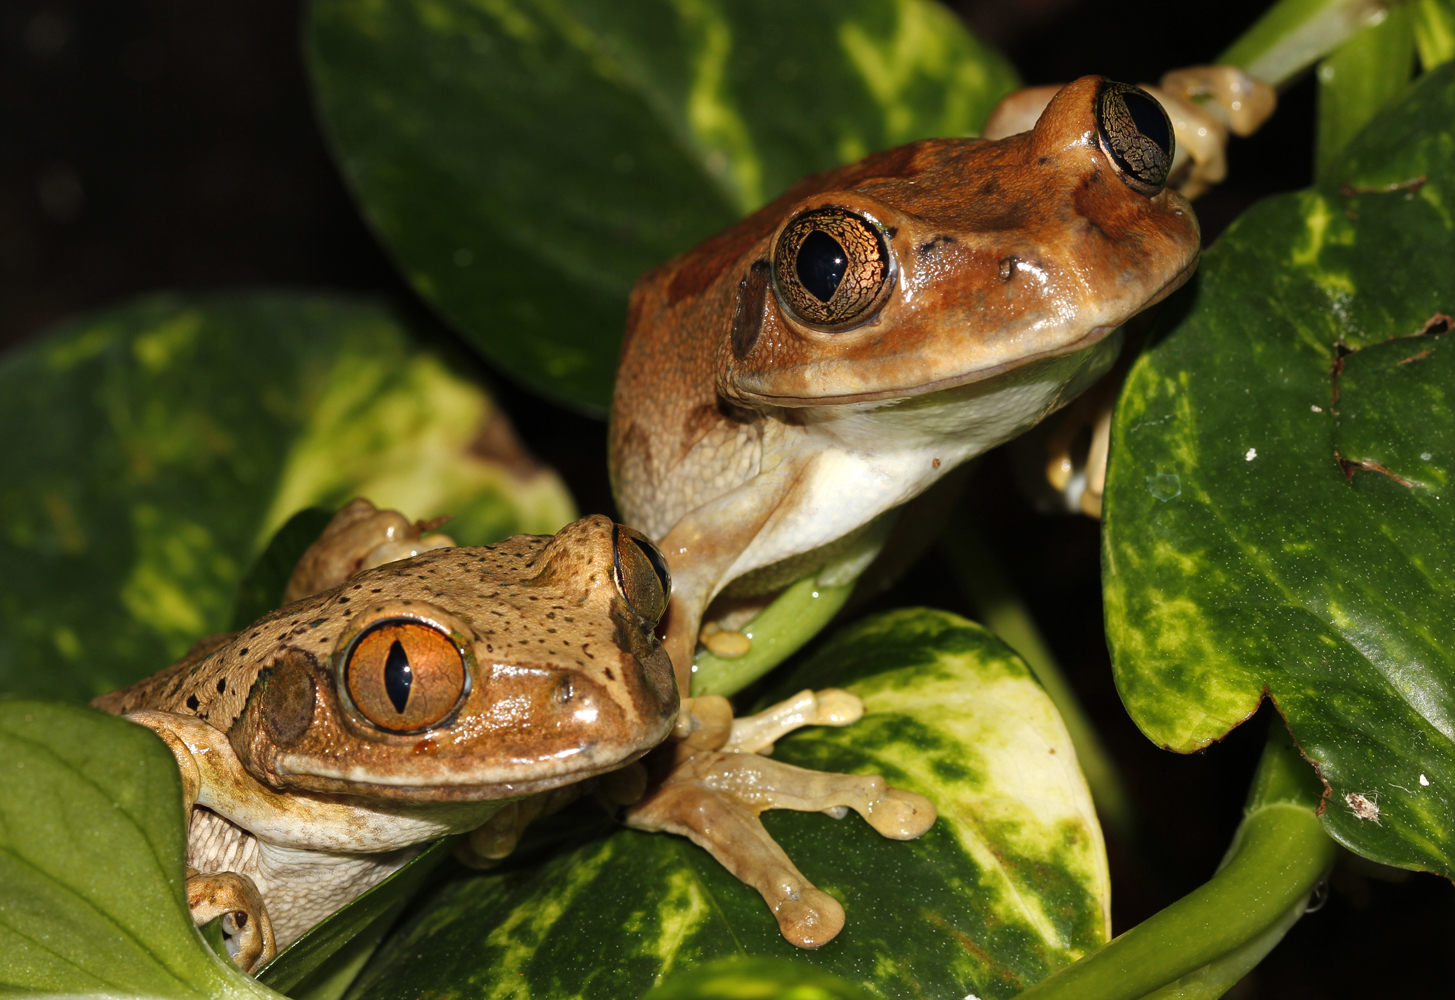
(715, 798)
(245, 921)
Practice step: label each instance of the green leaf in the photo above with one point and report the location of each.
(526, 160)
(92, 863)
(1010, 883)
(756, 979)
(156, 448)
(1239, 554)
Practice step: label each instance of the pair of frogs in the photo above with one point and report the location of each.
(783, 388)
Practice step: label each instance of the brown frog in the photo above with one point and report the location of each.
(412, 689)
(790, 383)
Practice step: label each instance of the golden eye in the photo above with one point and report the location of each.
(1136, 134)
(832, 268)
(404, 675)
(641, 573)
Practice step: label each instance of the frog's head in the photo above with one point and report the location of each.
(472, 673)
(951, 261)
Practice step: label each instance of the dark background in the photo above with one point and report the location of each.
(171, 145)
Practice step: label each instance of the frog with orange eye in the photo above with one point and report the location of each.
(412, 689)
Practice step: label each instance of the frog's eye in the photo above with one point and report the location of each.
(832, 268)
(404, 675)
(641, 573)
(1136, 134)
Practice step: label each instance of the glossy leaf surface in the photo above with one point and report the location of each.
(526, 160)
(756, 979)
(1279, 510)
(92, 859)
(153, 450)
(1010, 883)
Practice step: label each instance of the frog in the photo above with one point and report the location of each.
(411, 688)
(786, 387)
(396, 703)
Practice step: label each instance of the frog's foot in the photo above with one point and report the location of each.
(714, 798)
(360, 537)
(492, 841)
(758, 733)
(718, 784)
(1080, 477)
(245, 924)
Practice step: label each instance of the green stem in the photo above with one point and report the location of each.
(1216, 978)
(1278, 855)
(1001, 611)
(1360, 78)
(1292, 35)
(779, 630)
(1435, 32)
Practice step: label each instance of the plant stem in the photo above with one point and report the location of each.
(1001, 611)
(1278, 855)
(1294, 34)
(1435, 32)
(1361, 77)
(779, 630)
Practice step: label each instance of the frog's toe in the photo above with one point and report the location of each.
(245, 923)
(812, 920)
(828, 707)
(902, 815)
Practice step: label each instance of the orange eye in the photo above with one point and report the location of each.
(404, 676)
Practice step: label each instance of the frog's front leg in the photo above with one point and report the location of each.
(230, 895)
(704, 549)
(245, 923)
(714, 798)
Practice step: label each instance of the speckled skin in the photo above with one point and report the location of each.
(1014, 259)
(298, 791)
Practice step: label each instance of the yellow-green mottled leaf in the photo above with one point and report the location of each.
(526, 160)
(756, 979)
(1264, 532)
(153, 450)
(1009, 885)
(92, 864)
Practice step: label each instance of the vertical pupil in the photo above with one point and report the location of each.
(398, 676)
(1149, 119)
(821, 263)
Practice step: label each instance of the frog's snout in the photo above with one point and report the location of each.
(578, 719)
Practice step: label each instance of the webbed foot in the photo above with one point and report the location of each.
(245, 922)
(714, 797)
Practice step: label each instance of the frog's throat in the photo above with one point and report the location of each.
(833, 469)
(1088, 339)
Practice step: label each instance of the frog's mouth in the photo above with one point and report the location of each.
(453, 783)
(1089, 339)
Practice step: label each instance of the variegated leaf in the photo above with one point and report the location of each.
(154, 449)
(1010, 883)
